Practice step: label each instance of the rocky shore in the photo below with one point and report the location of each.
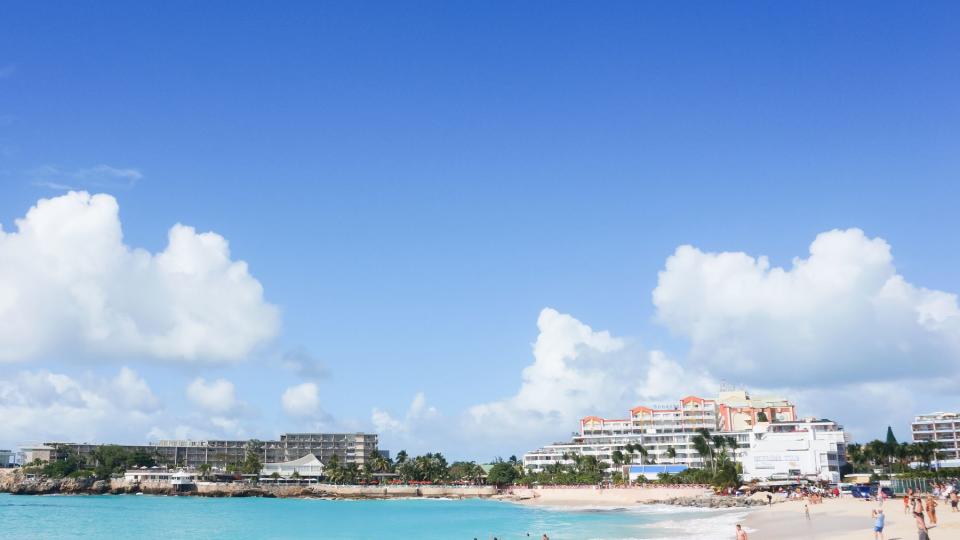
(720, 501)
(18, 484)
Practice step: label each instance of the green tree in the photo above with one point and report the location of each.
(671, 453)
(891, 440)
(204, 470)
(702, 446)
(251, 461)
(762, 417)
(108, 459)
(502, 474)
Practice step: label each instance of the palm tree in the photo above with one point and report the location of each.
(702, 448)
(733, 445)
(856, 456)
(879, 451)
(671, 453)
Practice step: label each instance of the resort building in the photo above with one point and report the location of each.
(308, 467)
(6, 459)
(805, 449)
(348, 447)
(666, 432)
(738, 411)
(41, 452)
(942, 427)
(147, 475)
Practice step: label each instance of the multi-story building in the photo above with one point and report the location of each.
(6, 458)
(738, 411)
(942, 427)
(811, 449)
(348, 447)
(666, 432)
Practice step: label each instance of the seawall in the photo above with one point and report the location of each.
(18, 484)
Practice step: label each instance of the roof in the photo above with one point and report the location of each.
(308, 459)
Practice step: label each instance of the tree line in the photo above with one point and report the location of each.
(891, 456)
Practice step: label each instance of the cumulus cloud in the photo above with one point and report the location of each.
(302, 400)
(841, 314)
(576, 371)
(418, 411)
(39, 406)
(215, 396)
(68, 283)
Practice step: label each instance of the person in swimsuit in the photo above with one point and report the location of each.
(878, 520)
(954, 501)
(932, 509)
(921, 527)
(741, 534)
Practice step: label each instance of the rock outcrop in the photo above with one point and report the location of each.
(718, 501)
(17, 483)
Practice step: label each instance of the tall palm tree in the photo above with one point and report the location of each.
(671, 453)
(643, 452)
(702, 448)
(732, 444)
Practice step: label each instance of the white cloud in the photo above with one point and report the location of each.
(215, 396)
(301, 400)
(68, 283)
(842, 314)
(576, 371)
(417, 412)
(180, 432)
(39, 406)
(131, 392)
(98, 176)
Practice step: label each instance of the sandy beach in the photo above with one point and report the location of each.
(843, 519)
(591, 496)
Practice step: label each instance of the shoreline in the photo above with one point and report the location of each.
(842, 519)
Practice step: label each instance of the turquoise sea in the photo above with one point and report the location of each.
(157, 517)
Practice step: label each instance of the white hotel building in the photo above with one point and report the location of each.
(735, 414)
(944, 428)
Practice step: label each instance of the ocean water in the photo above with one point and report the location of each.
(158, 517)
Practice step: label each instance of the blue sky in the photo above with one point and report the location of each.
(412, 184)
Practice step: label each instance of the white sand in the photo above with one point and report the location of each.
(600, 497)
(844, 519)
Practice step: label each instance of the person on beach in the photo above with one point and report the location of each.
(906, 504)
(878, 520)
(921, 527)
(954, 502)
(806, 511)
(932, 509)
(741, 534)
(769, 499)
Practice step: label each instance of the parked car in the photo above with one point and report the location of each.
(885, 490)
(860, 491)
